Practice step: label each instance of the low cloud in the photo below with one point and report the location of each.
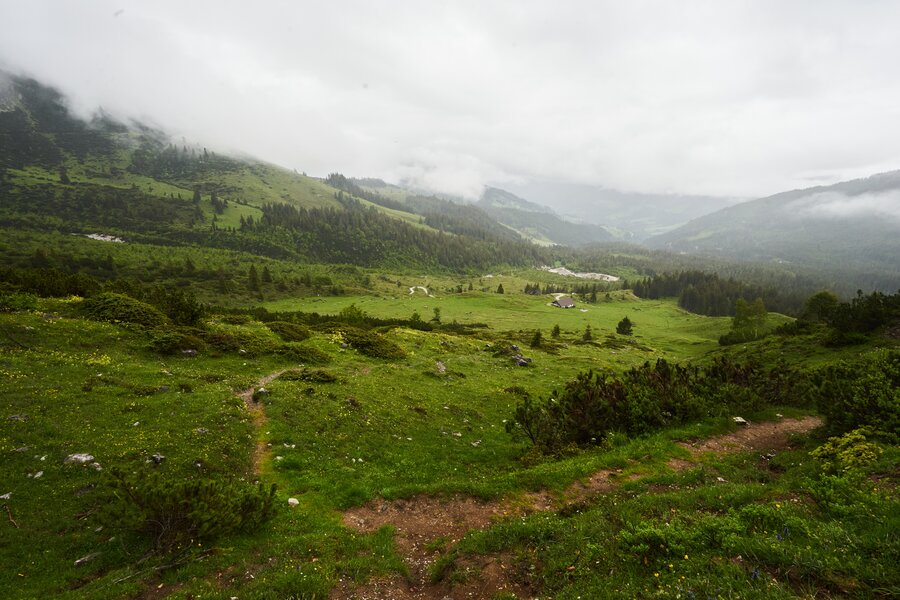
(834, 205)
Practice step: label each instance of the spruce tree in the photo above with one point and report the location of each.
(252, 279)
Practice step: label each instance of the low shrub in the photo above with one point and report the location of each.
(372, 344)
(169, 341)
(119, 308)
(866, 392)
(303, 353)
(17, 301)
(171, 514)
(312, 375)
(289, 332)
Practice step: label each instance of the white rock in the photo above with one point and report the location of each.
(739, 420)
(79, 458)
(39, 474)
(293, 502)
(6, 496)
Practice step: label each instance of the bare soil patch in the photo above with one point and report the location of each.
(426, 526)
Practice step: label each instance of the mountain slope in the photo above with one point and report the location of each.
(62, 174)
(633, 216)
(538, 222)
(851, 229)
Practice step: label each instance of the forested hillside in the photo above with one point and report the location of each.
(848, 231)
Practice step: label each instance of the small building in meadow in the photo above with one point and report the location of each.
(564, 303)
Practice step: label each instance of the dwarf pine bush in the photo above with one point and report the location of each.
(171, 514)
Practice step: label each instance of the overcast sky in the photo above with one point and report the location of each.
(724, 98)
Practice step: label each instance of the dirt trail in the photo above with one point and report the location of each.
(425, 525)
(258, 414)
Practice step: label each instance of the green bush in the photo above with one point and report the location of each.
(849, 454)
(171, 514)
(17, 301)
(235, 319)
(169, 341)
(289, 332)
(372, 344)
(119, 308)
(867, 392)
(302, 353)
(312, 375)
(649, 398)
(239, 339)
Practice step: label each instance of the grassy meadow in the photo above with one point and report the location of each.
(348, 431)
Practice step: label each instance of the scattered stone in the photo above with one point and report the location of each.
(96, 466)
(163, 388)
(293, 502)
(157, 459)
(345, 345)
(85, 559)
(38, 475)
(456, 434)
(522, 361)
(720, 479)
(514, 348)
(20, 417)
(441, 367)
(136, 423)
(242, 351)
(740, 420)
(202, 430)
(6, 496)
(43, 458)
(189, 352)
(79, 459)
(22, 449)
(476, 443)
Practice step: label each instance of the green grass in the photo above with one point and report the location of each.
(385, 428)
(661, 328)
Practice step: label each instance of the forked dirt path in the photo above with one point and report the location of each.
(258, 415)
(426, 525)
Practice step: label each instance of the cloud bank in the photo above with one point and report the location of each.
(834, 205)
(738, 98)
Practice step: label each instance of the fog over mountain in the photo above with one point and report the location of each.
(734, 100)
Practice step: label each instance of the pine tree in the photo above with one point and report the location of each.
(588, 336)
(252, 279)
(500, 289)
(555, 333)
(625, 327)
(266, 276)
(536, 340)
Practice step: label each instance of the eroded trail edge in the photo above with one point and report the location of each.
(427, 525)
(258, 415)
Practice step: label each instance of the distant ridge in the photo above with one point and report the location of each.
(850, 228)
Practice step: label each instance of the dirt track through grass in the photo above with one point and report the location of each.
(258, 415)
(426, 525)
